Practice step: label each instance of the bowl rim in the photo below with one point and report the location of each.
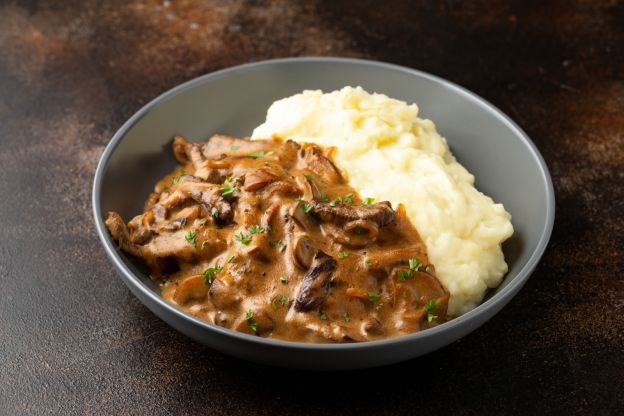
(503, 296)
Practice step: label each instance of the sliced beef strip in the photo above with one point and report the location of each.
(380, 213)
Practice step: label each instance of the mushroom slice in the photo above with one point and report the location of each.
(360, 232)
(179, 149)
(191, 288)
(315, 286)
(303, 251)
(311, 158)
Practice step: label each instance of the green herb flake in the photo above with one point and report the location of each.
(229, 259)
(261, 153)
(209, 273)
(177, 178)
(405, 274)
(280, 245)
(306, 207)
(369, 200)
(379, 306)
(253, 325)
(256, 229)
(214, 212)
(348, 199)
(343, 255)
(346, 317)
(429, 308)
(227, 190)
(282, 299)
(414, 264)
(347, 239)
(427, 269)
(243, 239)
(369, 263)
(324, 197)
(323, 315)
(191, 237)
(283, 280)
(359, 230)
(373, 296)
(309, 176)
(203, 244)
(337, 200)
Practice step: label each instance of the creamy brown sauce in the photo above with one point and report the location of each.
(267, 238)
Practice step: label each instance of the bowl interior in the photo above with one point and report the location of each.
(505, 165)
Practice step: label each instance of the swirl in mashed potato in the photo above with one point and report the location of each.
(389, 153)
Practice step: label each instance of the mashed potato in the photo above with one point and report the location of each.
(388, 153)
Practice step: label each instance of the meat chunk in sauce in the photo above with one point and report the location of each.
(268, 238)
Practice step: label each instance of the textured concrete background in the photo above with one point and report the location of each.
(73, 340)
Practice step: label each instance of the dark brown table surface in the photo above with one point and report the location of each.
(73, 340)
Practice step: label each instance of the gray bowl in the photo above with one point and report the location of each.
(233, 101)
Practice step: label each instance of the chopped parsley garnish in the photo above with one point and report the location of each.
(369, 200)
(414, 264)
(256, 229)
(204, 244)
(253, 325)
(405, 274)
(337, 200)
(176, 178)
(227, 190)
(343, 254)
(234, 147)
(359, 230)
(346, 317)
(347, 239)
(191, 237)
(231, 179)
(283, 280)
(261, 153)
(429, 308)
(427, 269)
(280, 245)
(373, 296)
(214, 212)
(309, 176)
(209, 273)
(306, 207)
(243, 239)
(229, 259)
(323, 315)
(281, 299)
(369, 263)
(348, 198)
